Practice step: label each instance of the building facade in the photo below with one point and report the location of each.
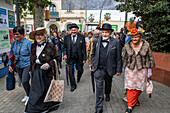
(58, 19)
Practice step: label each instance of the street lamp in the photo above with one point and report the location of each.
(17, 10)
(101, 13)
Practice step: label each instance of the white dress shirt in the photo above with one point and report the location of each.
(105, 43)
(74, 37)
(39, 49)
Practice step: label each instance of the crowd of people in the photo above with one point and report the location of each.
(107, 53)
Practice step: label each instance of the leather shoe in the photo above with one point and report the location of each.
(78, 80)
(107, 99)
(72, 89)
(101, 111)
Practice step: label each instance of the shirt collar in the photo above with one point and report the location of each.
(72, 36)
(107, 39)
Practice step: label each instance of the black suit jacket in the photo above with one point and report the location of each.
(81, 45)
(114, 59)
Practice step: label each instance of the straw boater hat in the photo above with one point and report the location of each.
(39, 29)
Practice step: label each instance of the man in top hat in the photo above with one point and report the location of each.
(74, 53)
(106, 62)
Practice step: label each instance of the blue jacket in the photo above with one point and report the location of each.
(24, 56)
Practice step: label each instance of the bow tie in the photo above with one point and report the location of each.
(39, 45)
(105, 41)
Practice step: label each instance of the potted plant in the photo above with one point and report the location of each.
(91, 17)
(107, 16)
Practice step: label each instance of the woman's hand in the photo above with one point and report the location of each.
(45, 66)
(10, 69)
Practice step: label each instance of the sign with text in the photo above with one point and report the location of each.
(3, 18)
(114, 27)
(4, 40)
(11, 18)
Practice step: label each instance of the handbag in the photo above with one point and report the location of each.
(10, 81)
(149, 87)
(56, 89)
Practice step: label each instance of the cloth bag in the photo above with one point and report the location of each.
(10, 81)
(56, 89)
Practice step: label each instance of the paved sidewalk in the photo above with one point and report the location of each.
(82, 100)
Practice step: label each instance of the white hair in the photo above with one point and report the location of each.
(96, 32)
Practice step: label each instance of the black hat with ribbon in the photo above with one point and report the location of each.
(106, 26)
(73, 25)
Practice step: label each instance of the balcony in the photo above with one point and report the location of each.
(54, 14)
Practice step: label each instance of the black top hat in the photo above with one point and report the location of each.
(106, 26)
(73, 25)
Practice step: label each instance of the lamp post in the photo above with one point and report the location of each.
(126, 14)
(17, 10)
(101, 13)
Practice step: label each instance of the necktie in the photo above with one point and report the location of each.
(74, 40)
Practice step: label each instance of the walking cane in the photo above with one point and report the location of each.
(67, 74)
(92, 79)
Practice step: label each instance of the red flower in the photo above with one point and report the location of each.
(134, 31)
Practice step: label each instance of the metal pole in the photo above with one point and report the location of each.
(100, 18)
(17, 12)
(126, 13)
(101, 13)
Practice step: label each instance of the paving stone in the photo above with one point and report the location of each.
(82, 100)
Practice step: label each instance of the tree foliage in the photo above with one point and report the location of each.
(156, 18)
(27, 8)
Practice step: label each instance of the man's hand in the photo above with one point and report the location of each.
(91, 68)
(118, 74)
(84, 61)
(10, 69)
(65, 57)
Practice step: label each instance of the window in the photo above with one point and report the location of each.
(52, 8)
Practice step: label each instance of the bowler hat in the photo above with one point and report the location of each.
(73, 25)
(106, 26)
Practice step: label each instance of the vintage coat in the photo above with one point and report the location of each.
(143, 59)
(81, 45)
(114, 58)
(46, 56)
(89, 50)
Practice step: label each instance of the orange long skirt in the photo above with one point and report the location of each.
(132, 97)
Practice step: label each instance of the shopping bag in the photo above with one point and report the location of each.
(56, 89)
(10, 81)
(149, 88)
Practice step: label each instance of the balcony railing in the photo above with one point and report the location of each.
(54, 14)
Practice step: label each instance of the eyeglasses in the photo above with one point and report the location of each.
(16, 34)
(39, 34)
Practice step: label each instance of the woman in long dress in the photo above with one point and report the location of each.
(42, 58)
(137, 60)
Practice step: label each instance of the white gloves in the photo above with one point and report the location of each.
(45, 66)
(30, 73)
(149, 72)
